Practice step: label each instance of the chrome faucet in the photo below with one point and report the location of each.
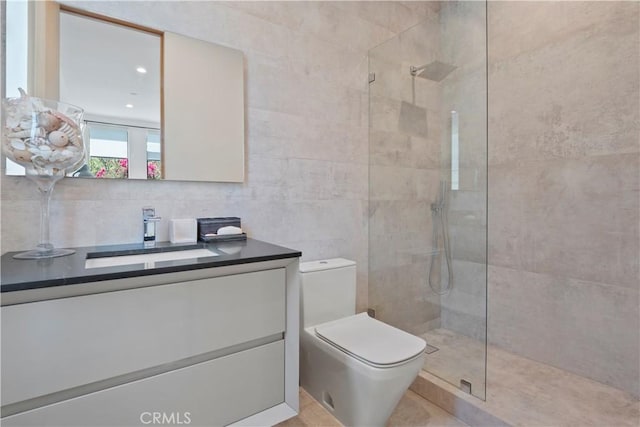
(149, 220)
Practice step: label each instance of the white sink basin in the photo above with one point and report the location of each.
(148, 260)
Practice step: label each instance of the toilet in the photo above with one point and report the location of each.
(355, 366)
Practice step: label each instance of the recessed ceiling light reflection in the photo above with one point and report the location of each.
(129, 105)
(141, 70)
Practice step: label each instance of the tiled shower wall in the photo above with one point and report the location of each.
(307, 133)
(564, 177)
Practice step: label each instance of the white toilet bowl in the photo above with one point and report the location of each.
(355, 366)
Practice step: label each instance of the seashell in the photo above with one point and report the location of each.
(16, 140)
(32, 133)
(39, 160)
(57, 156)
(65, 119)
(43, 154)
(68, 129)
(17, 144)
(58, 138)
(73, 134)
(38, 140)
(26, 124)
(48, 121)
(13, 122)
(20, 134)
(54, 156)
(22, 155)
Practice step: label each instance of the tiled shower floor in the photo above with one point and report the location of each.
(523, 392)
(458, 357)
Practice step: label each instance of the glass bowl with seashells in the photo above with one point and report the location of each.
(44, 136)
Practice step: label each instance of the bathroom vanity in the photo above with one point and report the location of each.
(204, 341)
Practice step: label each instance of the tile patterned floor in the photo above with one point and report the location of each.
(523, 392)
(412, 411)
(458, 357)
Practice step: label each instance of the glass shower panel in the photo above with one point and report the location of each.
(428, 189)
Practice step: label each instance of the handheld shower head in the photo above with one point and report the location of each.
(440, 233)
(441, 198)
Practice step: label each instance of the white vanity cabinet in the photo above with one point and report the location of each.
(205, 347)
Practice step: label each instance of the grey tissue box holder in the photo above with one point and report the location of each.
(212, 225)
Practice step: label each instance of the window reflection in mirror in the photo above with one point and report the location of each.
(154, 165)
(121, 152)
(108, 151)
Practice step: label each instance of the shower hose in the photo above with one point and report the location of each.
(440, 230)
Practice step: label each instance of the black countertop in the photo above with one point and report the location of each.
(21, 275)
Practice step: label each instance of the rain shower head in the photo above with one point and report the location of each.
(435, 71)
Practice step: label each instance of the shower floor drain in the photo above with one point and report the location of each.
(431, 349)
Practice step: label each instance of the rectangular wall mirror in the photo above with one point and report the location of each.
(148, 116)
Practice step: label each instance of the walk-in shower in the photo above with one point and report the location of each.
(427, 226)
(564, 138)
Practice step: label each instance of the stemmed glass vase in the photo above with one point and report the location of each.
(44, 136)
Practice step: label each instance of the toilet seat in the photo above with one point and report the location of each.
(371, 341)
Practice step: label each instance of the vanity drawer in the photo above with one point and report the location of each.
(54, 345)
(213, 393)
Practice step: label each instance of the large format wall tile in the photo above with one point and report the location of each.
(520, 27)
(587, 328)
(401, 298)
(390, 148)
(572, 218)
(570, 97)
(564, 179)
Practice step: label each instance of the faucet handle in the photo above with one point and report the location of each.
(148, 213)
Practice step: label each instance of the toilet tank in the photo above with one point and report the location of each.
(328, 290)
